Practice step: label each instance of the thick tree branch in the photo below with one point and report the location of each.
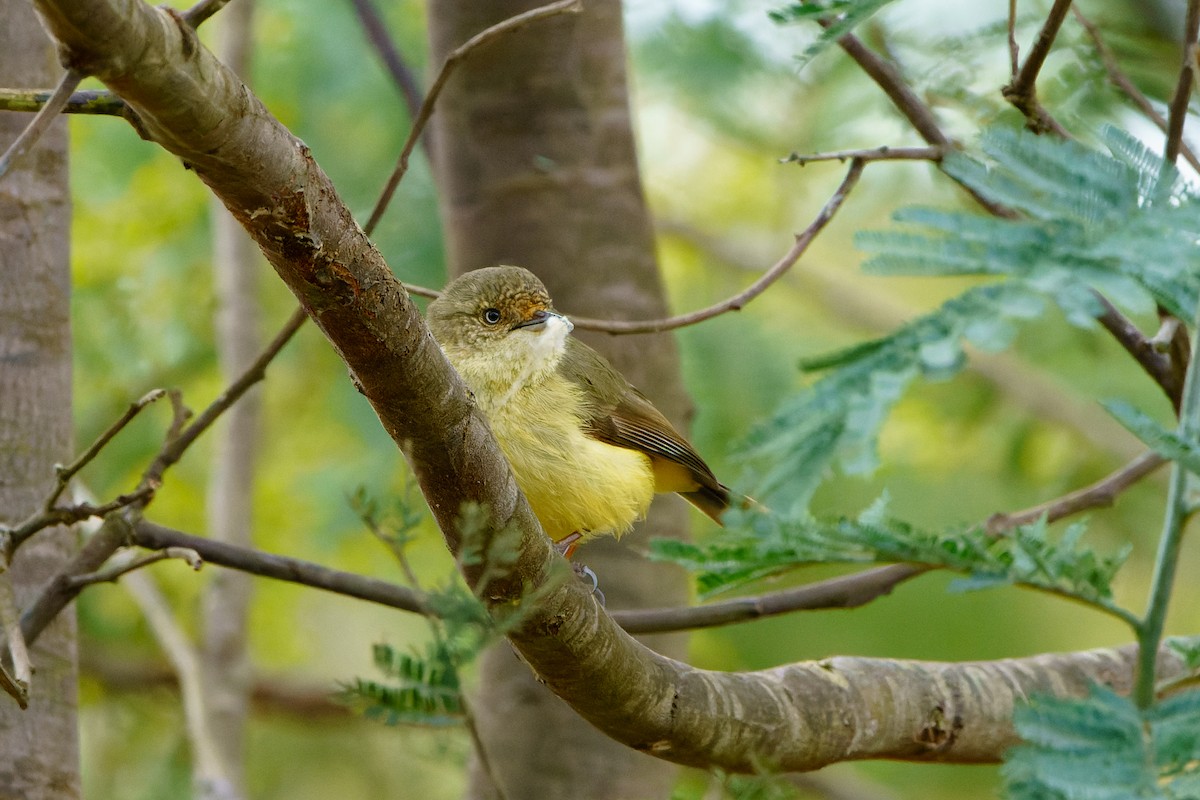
(850, 708)
(1183, 88)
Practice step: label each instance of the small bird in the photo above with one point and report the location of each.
(588, 450)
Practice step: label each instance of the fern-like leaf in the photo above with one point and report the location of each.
(1103, 747)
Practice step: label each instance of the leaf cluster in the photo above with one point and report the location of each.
(1084, 223)
(1104, 747)
(1029, 555)
(843, 16)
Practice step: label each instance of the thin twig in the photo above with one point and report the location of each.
(1177, 111)
(1022, 91)
(884, 153)
(113, 572)
(1013, 50)
(907, 102)
(403, 76)
(1100, 494)
(41, 122)
(65, 474)
(92, 101)
(1123, 82)
(17, 683)
(1165, 371)
(480, 39)
(738, 301)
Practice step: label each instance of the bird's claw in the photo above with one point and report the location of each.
(586, 573)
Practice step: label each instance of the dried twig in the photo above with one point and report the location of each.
(738, 301)
(41, 123)
(884, 153)
(480, 39)
(111, 573)
(1166, 371)
(1013, 50)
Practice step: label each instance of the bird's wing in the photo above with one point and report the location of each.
(620, 415)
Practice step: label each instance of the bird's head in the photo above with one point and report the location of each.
(499, 314)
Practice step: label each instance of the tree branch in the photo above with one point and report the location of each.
(884, 153)
(464, 50)
(1123, 82)
(1177, 113)
(738, 301)
(40, 123)
(1022, 91)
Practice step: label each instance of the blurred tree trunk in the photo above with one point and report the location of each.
(226, 665)
(40, 745)
(536, 166)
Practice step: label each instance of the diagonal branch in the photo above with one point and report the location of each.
(738, 301)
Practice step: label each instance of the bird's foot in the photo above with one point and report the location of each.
(585, 573)
(566, 545)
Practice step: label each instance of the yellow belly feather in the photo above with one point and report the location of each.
(572, 481)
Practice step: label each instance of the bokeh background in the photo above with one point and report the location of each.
(720, 99)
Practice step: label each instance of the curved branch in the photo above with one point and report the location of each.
(739, 301)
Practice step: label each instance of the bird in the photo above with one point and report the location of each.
(588, 450)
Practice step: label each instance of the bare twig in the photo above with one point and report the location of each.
(908, 103)
(100, 102)
(1100, 494)
(1022, 91)
(17, 683)
(41, 123)
(65, 474)
(377, 33)
(1123, 82)
(884, 153)
(1166, 371)
(1177, 112)
(268, 565)
(738, 301)
(480, 39)
(113, 572)
(1013, 50)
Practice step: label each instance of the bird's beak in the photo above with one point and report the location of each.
(539, 318)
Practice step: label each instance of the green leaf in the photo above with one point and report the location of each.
(1103, 747)
(1166, 443)
(843, 15)
(1121, 223)
(757, 544)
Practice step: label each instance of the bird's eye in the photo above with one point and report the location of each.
(491, 316)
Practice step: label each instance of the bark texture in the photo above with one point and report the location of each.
(537, 167)
(40, 745)
(796, 717)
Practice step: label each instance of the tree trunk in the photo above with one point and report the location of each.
(536, 167)
(40, 745)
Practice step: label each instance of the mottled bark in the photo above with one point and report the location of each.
(537, 168)
(40, 745)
